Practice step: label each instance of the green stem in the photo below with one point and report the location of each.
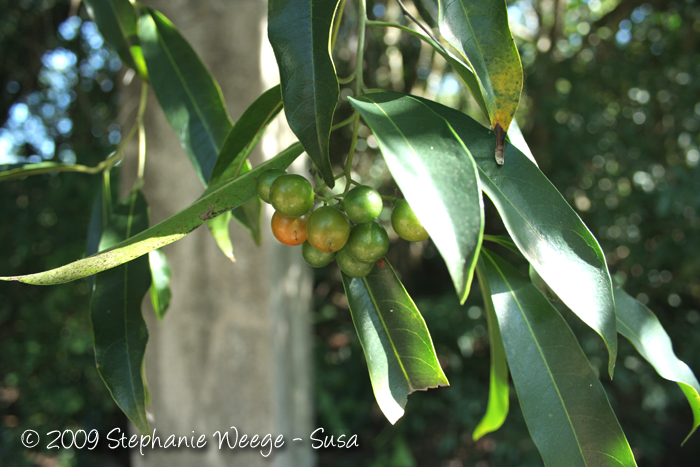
(345, 122)
(359, 86)
(336, 26)
(45, 168)
(142, 133)
(436, 45)
(351, 152)
(346, 80)
(106, 198)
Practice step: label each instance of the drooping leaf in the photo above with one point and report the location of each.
(118, 327)
(160, 285)
(222, 197)
(249, 216)
(639, 324)
(218, 227)
(400, 355)
(189, 96)
(546, 229)
(117, 21)
(563, 402)
(478, 29)
(436, 174)
(299, 32)
(498, 406)
(233, 161)
(245, 134)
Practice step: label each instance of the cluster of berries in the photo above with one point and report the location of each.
(351, 236)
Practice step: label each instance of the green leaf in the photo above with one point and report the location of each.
(218, 227)
(117, 21)
(498, 406)
(479, 30)
(222, 197)
(436, 174)
(160, 285)
(563, 402)
(299, 32)
(515, 136)
(245, 135)
(639, 324)
(233, 161)
(399, 352)
(115, 312)
(249, 216)
(189, 96)
(546, 229)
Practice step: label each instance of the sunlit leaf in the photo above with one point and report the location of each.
(498, 406)
(478, 29)
(639, 324)
(160, 285)
(545, 228)
(400, 355)
(189, 96)
(224, 197)
(117, 21)
(299, 31)
(565, 406)
(436, 174)
(119, 330)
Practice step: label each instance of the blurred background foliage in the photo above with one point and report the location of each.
(611, 110)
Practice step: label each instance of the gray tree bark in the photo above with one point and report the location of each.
(234, 348)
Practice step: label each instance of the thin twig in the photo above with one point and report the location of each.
(408, 15)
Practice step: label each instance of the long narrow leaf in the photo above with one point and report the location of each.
(233, 162)
(115, 312)
(479, 30)
(436, 174)
(225, 196)
(299, 32)
(546, 229)
(245, 134)
(641, 326)
(564, 404)
(117, 21)
(189, 96)
(498, 406)
(399, 352)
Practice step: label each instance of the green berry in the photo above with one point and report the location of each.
(406, 224)
(315, 258)
(368, 242)
(351, 266)
(363, 204)
(291, 195)
(265, 182)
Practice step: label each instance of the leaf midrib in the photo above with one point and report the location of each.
(388, 335)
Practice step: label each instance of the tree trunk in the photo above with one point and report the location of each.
(234, 348)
